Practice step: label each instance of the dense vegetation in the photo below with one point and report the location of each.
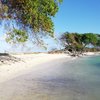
(78, 43)
(30, 15)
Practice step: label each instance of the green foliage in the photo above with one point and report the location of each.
(17, 36)
(78, 42)
(89, 38)
(35, 14)
(72, 39)
(98, 42)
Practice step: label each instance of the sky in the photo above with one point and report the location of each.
(78, 16)
(73, 16)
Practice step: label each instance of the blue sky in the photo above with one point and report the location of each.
(78, 16)
(73, 16)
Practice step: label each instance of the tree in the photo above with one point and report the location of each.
(98, 42)
(89, 38)
(35, 15)
(72, 41)
(77, 43)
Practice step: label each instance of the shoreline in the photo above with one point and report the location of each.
(37, 76)
(28, 62)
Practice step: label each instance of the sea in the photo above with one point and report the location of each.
(78, 79)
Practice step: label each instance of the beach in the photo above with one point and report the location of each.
(48, 77)
(21, 63)
(26, 63)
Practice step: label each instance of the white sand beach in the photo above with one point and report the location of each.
(27, 63)
(35, 77)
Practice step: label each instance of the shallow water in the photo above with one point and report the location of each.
(73, 80)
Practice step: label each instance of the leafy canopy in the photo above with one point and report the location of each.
(89, 38)
(35, 14)
(78, 41)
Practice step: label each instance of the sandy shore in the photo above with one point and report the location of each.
(91, 53)
(27, 63)
(25, 79)
(17, 80)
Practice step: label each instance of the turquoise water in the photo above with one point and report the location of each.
(57, 80)
(80, 79)
(73, 80)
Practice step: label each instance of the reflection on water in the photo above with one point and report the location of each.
(75, 80)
